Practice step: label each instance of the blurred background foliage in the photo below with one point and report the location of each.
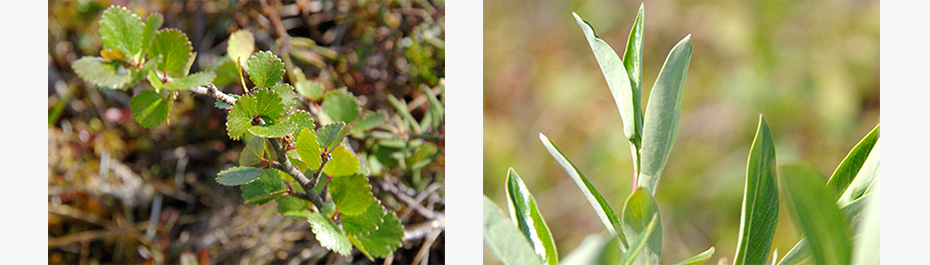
(121, 193)
(811, 67)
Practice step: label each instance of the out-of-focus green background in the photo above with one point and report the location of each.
(811, 67)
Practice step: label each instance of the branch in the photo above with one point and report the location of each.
(283, 163)
(211, 91)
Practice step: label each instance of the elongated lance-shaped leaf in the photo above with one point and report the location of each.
(640, 243)
(760, 200)
(850, 166)
(663, 114)
(600, 205)
(817, 215)
(633, 62)
(864, 178)
(625, 95)
(854, 216)
(699, 258)
(525, 214)
(868, 238)
(504, 239)
(638, 210)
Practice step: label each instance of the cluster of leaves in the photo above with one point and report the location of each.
(829, 214)
(635, 236)
(265, 117)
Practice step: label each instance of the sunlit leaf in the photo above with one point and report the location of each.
(351, 194)
(600, 205)
(343, 163)
(760, 200)
(174, 50)
(699, 258)
(102, 73)
(850, 166)
(638, 244)
(329, 235)
(524, 212)
(240, 46)
(382, 242)
(121, 29)
(265, 69)
(308, 149)
(504, 239)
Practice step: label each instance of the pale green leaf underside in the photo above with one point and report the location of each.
(343, 163)
(303, 120)
(274, 130)
(236, 176)
(191, 81)
(369, 121)
(639, 210)
(382, 242)
(639, 244)
(308, 148)
(240, 46)
(265, 69)
(121, 29)
(100, 72)
(173, 47)
(760, 200)
(867, 244)
(288, 96)
(817, 215)
(600, 205)
(663, 114)
(340, 106)
(253, 152)
(365, 223)
(258, 191)
(850, 166)
(309, 89)
(525, 213)
(328, 234)
(865, 177)
(149, 108)
(504, 239)
(351, 194)
(699, 258)
(618, 80)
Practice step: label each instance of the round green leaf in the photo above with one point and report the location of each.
(191, 81)
(341, 106)
(308, 148)
(343, 163)
(173, 47)
(385, 240)
(329, 235)
(265, 69)
(149, 108)
(366, 222)
(100, 72)
(121, 29)
(240, 46)
(351, 194)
